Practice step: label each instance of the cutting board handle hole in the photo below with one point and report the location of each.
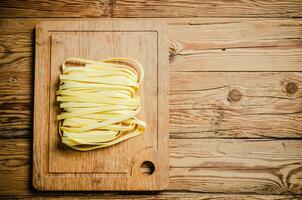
(147, 168)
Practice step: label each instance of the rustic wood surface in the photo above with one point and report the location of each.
(117, 167)
(203, 165)
(145, 8)
(235, 95)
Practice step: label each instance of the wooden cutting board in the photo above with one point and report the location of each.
(140, 163)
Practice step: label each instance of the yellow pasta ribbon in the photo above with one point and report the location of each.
(99, 102)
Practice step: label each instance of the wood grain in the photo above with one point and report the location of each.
(15, 103)
(15, 165)
(16, 92)
(48, 8)
(204, 165)
(57, 168)
(16, 62)
(255, 45)
(235, 104)
(257, 59)
(240, 44)
(17, 42)
(208, 44)
(144, 8)
(217, 8)
(201, 104)
(261, 166)
(160, 196)
(282, 37)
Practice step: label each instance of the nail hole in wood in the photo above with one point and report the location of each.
(234, 95)
(147, 168)
(291, 88)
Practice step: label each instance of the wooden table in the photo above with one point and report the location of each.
(235, 95)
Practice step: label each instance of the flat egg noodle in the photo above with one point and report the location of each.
(99, 102)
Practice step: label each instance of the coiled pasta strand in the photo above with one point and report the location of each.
(99, 102)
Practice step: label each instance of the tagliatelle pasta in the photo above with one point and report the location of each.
(99, 102)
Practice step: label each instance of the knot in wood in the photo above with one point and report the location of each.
(39, 29)
(291, 88)
(234, 95)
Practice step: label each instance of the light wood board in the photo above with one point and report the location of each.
(55, 166)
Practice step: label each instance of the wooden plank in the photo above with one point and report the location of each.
(158, 196)
(16, 90)
(15, 166)
(203, 165)
(235, 104)
(234, 33)
(16, 42)
(211, 124)
(17, 35)
(261, 166)
(143, 8)
(258, 45)
(217, 8)
(16, 62)
(15, 104)
(255, 59)
(48, 8)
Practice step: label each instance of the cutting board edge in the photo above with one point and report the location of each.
(38, 177)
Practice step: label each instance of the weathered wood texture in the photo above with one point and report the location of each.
(196, 45)
(204, 165)
(49, 8)
(247, 45)
(235, 104)
(145, 8)
(158, 196)
(203, 103)
(197, 8)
